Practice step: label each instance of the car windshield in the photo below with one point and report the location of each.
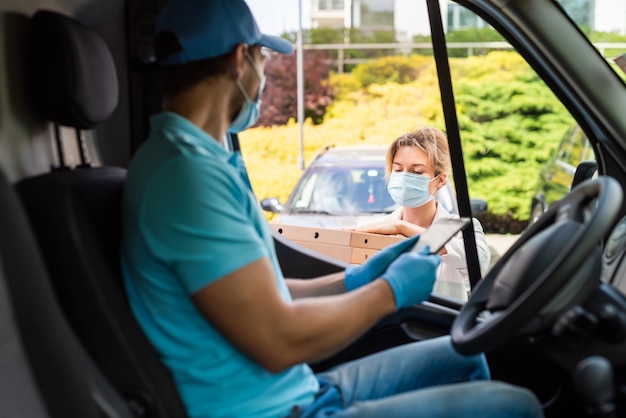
(343, 190)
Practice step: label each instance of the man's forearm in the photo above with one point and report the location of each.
(331, 284)
(314, 328)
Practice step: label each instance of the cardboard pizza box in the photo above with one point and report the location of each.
(352, 255)
(353, 247)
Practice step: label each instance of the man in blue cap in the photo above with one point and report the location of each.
(204, 281)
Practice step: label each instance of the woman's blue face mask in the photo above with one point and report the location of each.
(409, 189)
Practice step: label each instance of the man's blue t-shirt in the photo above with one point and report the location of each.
(190, 219)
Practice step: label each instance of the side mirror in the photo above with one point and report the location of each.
(479, 207)
(272, 204)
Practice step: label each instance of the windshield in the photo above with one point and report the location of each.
(343, 190)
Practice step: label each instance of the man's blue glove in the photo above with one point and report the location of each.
(360, 275)
(412, 276)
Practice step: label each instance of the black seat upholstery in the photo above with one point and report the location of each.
(19, 395)
(76, 216)
(67, 382)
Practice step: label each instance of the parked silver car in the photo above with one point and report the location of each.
(345, 186)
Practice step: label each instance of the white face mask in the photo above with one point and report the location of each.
(409, 189)
(251, 110)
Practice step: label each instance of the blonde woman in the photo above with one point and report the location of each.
(417, 167)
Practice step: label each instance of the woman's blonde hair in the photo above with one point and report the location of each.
(430, 140)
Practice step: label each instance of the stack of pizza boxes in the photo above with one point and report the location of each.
(350, 246)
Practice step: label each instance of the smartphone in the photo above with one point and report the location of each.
(439, 233)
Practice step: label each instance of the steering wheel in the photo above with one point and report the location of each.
(544, 271)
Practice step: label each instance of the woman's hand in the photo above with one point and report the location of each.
(394, 227)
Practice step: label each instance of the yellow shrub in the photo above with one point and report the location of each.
(343, 84)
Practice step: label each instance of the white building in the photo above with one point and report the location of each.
(406, 17)
(410, 17)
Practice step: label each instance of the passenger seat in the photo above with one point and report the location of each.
(44, 371)
(76, 216)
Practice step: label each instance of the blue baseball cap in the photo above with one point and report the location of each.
(211, 28)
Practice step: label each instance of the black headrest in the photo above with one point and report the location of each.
(73, 81)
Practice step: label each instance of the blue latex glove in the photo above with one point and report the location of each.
(412, 276)
(360, 275)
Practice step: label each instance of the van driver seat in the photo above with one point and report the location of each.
(76, 215)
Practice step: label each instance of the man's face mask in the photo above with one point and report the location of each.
(409, 189)
(250, 110)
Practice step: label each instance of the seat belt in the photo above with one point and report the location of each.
(454, 139)
(236, 160)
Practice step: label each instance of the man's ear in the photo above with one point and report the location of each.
(238, 58)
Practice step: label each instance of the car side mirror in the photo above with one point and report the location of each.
(272, 204)
(478, 206)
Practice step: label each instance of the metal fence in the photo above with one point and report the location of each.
(405, 48)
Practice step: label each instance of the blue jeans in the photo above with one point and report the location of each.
(424, 379)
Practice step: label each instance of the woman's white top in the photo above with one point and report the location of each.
(452, 274)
